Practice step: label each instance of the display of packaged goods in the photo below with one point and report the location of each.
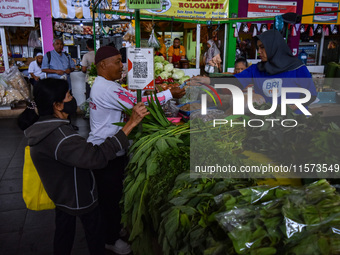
(15, 80)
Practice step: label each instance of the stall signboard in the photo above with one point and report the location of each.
(145, 4)
(326, 7)
(140, 68)
(311, 48)
(259, 8)
(18, 13)
(192, 9)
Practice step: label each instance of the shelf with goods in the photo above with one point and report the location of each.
(14, 86)
(76, 32)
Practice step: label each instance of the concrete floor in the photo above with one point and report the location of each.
(23, 231)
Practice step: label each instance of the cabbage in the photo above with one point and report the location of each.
(168, 68)
(183, 79)
(157, 72)
(158, 66)
(178, 74)
(159, 59)
(175, 70)
(165, 75)
(165, 62)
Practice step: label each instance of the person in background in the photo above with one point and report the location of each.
(331, 52)
(176, 52)
(64, 160)
(212, 58)
(34, 69)
(105, 108)
(241, 50)
(162, 50)
(58, 64)
(240, 65)
(87, 61)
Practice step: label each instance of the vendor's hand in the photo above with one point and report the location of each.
(36, 78)
(258, 99)
(68, 71)
(59, 72)
(177, 92)
(199, 80)
(139, 111)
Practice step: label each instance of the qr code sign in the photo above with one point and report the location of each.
(140, 69)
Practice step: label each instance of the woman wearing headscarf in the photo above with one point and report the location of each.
(212, 58)
(278, 68)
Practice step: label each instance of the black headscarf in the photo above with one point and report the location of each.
(279, 56)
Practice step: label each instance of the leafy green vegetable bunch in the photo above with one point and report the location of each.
(156, 137)
(282, 220)
(188, 223)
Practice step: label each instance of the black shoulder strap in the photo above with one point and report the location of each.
(68, 57)
(49, 57)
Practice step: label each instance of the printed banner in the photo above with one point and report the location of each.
(140, 68)
(326, 7)
(18, 13)
(145, 4)
(192, 9)
(259, 8)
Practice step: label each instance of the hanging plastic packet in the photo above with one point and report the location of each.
(130, 35)
(153, 41)
(279, 23)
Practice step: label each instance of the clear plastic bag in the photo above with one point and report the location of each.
(191, 94)
(15, 80)
(289, 220)
(11, 96)
(153, 41)
(130, 35)
(33, 39)
(85, 108)
(170, 109)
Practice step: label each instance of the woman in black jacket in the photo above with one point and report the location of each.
(64, 161)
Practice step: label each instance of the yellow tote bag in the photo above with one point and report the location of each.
(33, 191)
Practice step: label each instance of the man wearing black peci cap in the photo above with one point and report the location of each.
(105, 109)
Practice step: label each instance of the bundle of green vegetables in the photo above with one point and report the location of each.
(156, 137)
(188, 223)
(282, 220)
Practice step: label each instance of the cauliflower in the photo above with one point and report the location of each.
(178, 74)
(168, 68)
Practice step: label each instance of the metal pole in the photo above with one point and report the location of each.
(198, 45)
(137, 31)
(321, 47)
(94, 29)
(4, 47)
